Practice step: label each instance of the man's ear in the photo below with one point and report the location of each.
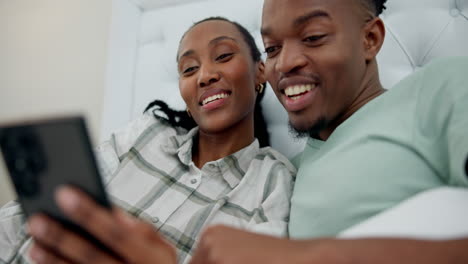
(260, 76)
(374, 35)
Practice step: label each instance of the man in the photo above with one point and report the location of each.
(369, 149)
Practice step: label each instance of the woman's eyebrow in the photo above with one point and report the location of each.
(212, 42)
(221, 38)
(186, 54)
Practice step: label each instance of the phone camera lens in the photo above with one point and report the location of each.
(24, 158)
(20, 165)
(28, 184)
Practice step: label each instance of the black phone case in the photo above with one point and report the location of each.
(45, 154)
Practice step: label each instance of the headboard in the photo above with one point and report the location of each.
(145, 36)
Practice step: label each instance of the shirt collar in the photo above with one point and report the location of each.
(181, 145)
(232, 168)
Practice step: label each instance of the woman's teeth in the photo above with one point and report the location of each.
(296, 91)
(214, 98)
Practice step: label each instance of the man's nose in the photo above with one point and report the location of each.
(291, 58)
(207, 75)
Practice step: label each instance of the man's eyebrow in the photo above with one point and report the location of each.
(307, 17)
(300, 20)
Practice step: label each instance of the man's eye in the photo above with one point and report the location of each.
(224, 56)
(271, 51)
(189, 69)
(314, 38)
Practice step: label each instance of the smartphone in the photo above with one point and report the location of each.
(466, 167)
(41, 155)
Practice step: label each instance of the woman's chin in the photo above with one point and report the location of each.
(214, 127)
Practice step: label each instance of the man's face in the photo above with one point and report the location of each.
(315, 58)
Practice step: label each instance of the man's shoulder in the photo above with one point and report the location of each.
(437, 72)
(446, 74)
(444, 81)
(449, 65)
(440, 82)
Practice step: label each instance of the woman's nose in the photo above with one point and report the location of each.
(207, 76)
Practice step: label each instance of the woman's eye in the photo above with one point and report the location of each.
(314, 38)
(189, 69)
(224, 56)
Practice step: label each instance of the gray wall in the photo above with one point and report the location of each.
(53, 60)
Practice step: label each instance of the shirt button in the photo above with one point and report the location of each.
(212, 166)
(155, 220)
(193, 181)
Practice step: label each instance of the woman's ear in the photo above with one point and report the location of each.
(374, 35)
(260, 75)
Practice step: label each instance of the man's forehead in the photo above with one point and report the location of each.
(269, 5)
(274, 6)
(289, 12)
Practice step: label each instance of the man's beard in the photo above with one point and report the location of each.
(312, 131)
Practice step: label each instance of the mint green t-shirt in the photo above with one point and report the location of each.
(412, 138)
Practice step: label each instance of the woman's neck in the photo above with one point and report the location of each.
(213, 146)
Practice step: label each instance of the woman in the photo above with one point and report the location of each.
(182, 181)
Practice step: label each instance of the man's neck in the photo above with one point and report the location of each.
(371, 88)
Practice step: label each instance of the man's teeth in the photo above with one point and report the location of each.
(296, 91)
(214, 98)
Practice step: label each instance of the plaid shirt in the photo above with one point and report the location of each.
(148, 171)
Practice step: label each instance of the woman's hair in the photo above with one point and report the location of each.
(182, 119)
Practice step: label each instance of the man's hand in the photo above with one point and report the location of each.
(225, 245)
(132, 240)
